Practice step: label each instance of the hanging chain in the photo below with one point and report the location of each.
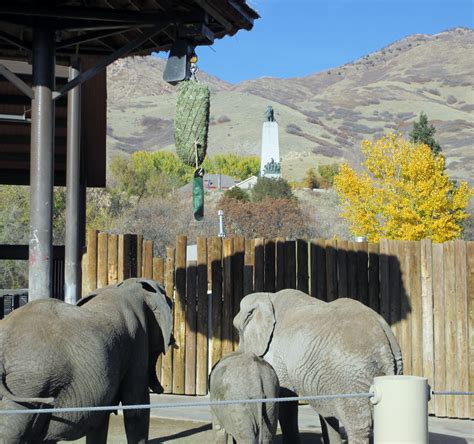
(194, 68)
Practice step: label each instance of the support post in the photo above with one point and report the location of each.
(42, 166)
(400, 409)
(73, 277)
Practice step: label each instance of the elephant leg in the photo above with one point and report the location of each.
(330, 430)
(99, 435)
(288, 418)
(137, 423)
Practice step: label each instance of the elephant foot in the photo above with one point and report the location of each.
(330, 430)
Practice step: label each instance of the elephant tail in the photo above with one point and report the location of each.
(395, 347)
(260, 422)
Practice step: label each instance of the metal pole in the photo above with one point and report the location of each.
(72, 271)
(400, 409)
(41, 170)
(220, 213)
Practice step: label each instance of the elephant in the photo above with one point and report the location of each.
(100, 352)
(244, 376)
(320, 348)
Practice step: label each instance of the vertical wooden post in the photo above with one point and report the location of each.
(133, 255)
(416, 308)
(179, 316)
(342, 285)
(362, 272)
(202, 318)
(352, 270)
(302, 277)
(147, 255)
(259, 255)
(427, 310)
(215, 257)
(374, 280)
(452, 353)
(112, 259)
(462, 370)
(191, 324)
(318, 269)
(290, 275)
(470, 293)
(280, 264)
(102, 272)
(91, 278)
(124, 268)
(139, 257)
(167, 361)
(269, 265)
(249, 264)
(405, 304)
(159, 270)
(159, 276)
(228, 307)
(395, 283)
(238, 279)
(384, 280)
(331, 270)
(439, 306)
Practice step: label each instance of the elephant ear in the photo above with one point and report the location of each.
(256, 322)
(161, 306)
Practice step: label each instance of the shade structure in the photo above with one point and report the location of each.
(89, 34)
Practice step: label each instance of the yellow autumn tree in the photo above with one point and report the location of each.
(402, 193)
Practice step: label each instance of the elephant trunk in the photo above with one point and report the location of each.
(153, 382)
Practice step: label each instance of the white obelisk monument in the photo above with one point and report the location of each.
(270, 158)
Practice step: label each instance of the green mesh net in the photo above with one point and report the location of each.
(192, 122)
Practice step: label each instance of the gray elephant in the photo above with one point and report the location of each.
(100, 352)
(319, 348)
(244, 376)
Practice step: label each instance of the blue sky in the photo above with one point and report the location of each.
(294, 38)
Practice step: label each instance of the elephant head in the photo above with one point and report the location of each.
(158, 316)
(255, 323)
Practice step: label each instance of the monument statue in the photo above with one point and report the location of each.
(269, 114)
(271, 167)
(270, 157)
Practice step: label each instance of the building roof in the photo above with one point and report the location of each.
(99, 27)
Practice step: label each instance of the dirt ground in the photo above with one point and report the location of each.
(164, 430)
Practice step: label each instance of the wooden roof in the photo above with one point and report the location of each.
(99, 27)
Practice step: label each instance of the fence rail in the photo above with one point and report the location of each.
(425, 291)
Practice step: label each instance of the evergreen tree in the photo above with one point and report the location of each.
(423, 132)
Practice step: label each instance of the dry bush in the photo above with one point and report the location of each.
(269, 218)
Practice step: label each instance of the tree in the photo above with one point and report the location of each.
(423, 132)
(311, 179)
(328, 173)
(404, 193)
(270, 188)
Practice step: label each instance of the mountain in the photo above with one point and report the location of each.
(322, 117)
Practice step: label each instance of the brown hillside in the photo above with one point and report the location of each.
(322, 117)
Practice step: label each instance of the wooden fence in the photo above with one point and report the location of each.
(425, 292)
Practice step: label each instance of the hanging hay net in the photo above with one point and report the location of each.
(191, 122)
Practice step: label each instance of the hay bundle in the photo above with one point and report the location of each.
(191, 122)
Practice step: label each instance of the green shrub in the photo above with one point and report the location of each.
(237, 194)
(271, 188)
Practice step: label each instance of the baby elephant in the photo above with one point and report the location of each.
(244, 376)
